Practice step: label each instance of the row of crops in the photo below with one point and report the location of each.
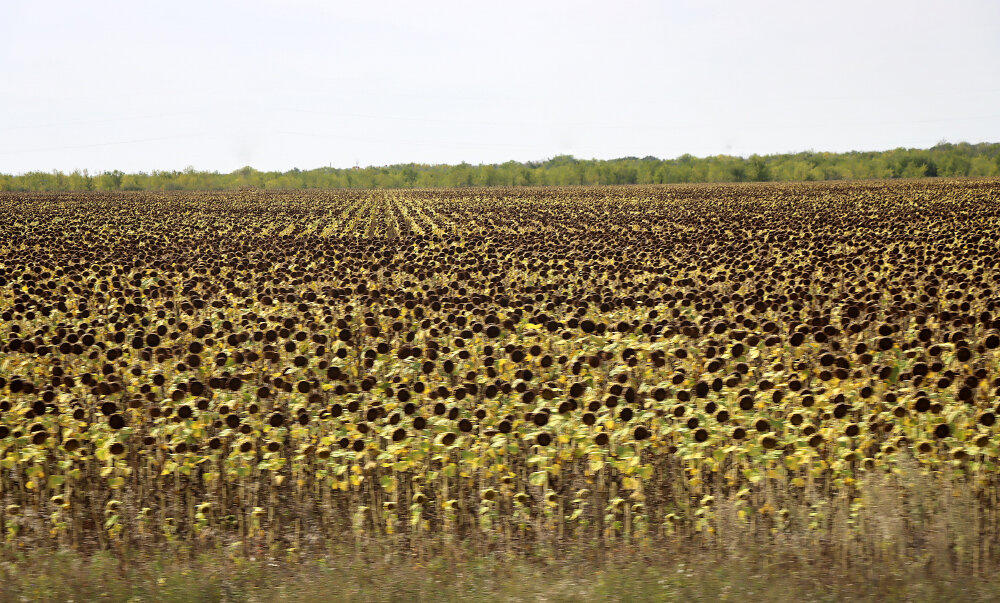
(278, 371)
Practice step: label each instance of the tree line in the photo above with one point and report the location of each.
(946, 160)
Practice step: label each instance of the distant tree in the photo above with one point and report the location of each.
(80, 181)
(944, 159)
(757, 169)
(409, 175)
(111, 181)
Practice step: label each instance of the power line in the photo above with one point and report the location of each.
(115, 119)
(102, 144)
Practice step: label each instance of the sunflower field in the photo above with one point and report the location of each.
(505, 369)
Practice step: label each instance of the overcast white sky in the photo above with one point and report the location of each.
(139, 86)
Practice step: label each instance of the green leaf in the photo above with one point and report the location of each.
(538, 459)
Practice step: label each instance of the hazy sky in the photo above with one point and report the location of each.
(139, 86)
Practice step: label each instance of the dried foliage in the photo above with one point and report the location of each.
(511, 368)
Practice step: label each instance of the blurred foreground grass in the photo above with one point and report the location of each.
(753, 575)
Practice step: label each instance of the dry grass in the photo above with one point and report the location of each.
(751, 575)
